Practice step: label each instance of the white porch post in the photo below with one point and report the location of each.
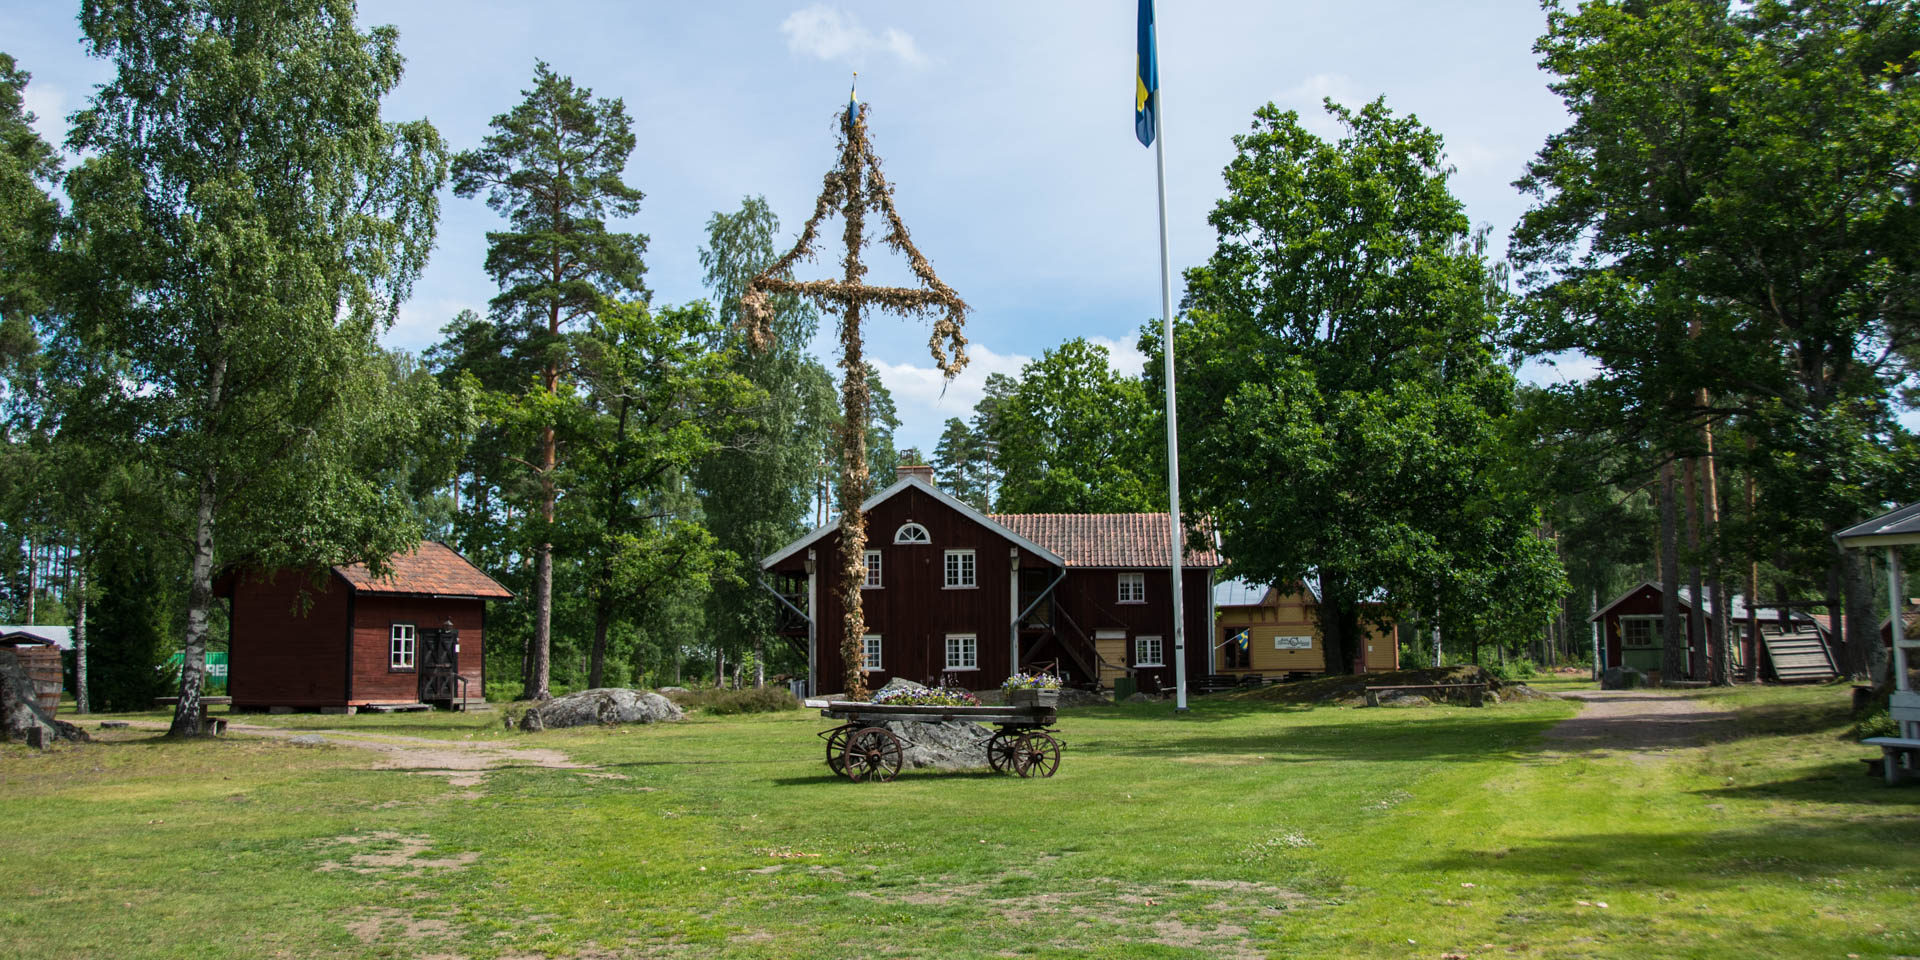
(813, 628)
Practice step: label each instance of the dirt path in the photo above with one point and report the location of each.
(463, 763)
(1637, 720)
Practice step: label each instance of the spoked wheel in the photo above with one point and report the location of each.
(1035, 754)
(1000, 751)
(872, 753)
(837, 748)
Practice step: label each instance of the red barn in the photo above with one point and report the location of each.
(957, 595)
(414, 638)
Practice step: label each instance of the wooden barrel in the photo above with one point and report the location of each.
(42, 661)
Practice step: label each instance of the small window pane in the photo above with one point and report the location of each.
(960, 568)
(870, 644)
(400, 646)
(1133, 588)
(962, 652)
(873, 569)
(911, 533)
(1146, 652)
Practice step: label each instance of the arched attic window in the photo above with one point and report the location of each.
(911, 532)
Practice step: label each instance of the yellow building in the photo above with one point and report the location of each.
(1272, 631)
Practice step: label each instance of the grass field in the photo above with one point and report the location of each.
(1244, 829)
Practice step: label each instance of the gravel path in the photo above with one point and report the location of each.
(1638, 720)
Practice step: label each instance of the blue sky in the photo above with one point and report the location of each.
(1006, 127)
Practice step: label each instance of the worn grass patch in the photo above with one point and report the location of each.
(1243, 829)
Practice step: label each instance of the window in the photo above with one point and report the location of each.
(963, 651)
(1237, 654)
(873, 571)
(1640, 631)
(960, 569)
(911, 532)
(1133, 588)
(400, 644)
(870, 648)
(1146, 652)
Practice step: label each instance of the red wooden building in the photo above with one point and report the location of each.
(967, 598)
(1790, 648)
(416, 636)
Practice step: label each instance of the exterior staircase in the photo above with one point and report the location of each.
(1798, 656)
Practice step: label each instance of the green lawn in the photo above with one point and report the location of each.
(1245, 829)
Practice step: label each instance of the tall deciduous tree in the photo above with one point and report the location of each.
(552, 166)
(756, 487)
(1074, 436)
(963, 462)
(1337, 365)
(249, 224)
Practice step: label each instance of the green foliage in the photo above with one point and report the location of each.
(1346, 417)
(28, 221)
(721, 702)
(127, 630)
(963, 464)
(1072, 435)
(244, 226)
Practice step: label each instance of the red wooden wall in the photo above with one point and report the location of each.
(281, 656)
(373, 618)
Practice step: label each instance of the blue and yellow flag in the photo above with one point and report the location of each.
(853, 101)
(1146, 78)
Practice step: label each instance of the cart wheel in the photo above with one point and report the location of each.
(1000, 751)
(872, 753)
(836, 747)
(1035, 754)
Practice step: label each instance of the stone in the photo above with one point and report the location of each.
(608, 706)
(1403, 698)
(673, 690)
(308, 740)
(1140, 698)
(20, 715)
(339, 711)
(946, 745)
(279, 711)
(113, 724)
(902, 683)
(1077, 697)
(1622, 678)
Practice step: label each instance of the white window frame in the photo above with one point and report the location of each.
(967, 563)
(1136, 580)
(970, 647)
(874, 571)
(403, 645)
(1140, 649)
(871, 645)
(911, 533)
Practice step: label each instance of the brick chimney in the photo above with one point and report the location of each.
(921, 470)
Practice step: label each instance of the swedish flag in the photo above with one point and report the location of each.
(853, 100)
(1146, 78)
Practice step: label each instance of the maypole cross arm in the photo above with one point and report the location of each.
(856, 188)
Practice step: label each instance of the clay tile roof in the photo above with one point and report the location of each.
(432, 568)
(1103, 539)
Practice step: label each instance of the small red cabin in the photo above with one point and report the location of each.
(414, 637)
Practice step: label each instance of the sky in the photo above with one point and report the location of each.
(1006, 128)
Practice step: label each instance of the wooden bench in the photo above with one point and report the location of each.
(1891, 750)
(1476, 692)
(216, 725)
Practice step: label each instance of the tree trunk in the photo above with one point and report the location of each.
(602, 618)
(1750, 666)
(193, 659)
(759, 662)
(1697, 601)
(33, 579)
(80, 698)
(1339, 626)
(541, 667)
(1862, 633)
(1672, 660)
(1718, 629)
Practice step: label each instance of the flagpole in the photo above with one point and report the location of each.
(1175, 535)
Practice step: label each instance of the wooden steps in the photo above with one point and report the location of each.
(1799, 656)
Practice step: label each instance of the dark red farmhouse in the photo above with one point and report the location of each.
(414, 638)
(965, 598)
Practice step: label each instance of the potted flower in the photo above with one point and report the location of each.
(1032, 690)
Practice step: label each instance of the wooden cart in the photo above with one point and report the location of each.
(860, 749)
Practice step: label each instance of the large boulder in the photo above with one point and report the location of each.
(1622, 678)
(607, 706)
(947, 745)
(20, 715)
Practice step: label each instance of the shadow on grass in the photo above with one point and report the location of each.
(904, 776)
(1785, 851)
(1471, 738)
(1838, 783)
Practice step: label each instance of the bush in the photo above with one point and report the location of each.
(1876, 724)
(727, 702)
(1517, 669)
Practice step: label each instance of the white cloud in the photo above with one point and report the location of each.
(1570, 367)
(926, 399)
(826, 32)
(1123, 355)
(1307, 97)
(48, 104)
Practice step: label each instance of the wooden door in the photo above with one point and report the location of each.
(438, 664)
